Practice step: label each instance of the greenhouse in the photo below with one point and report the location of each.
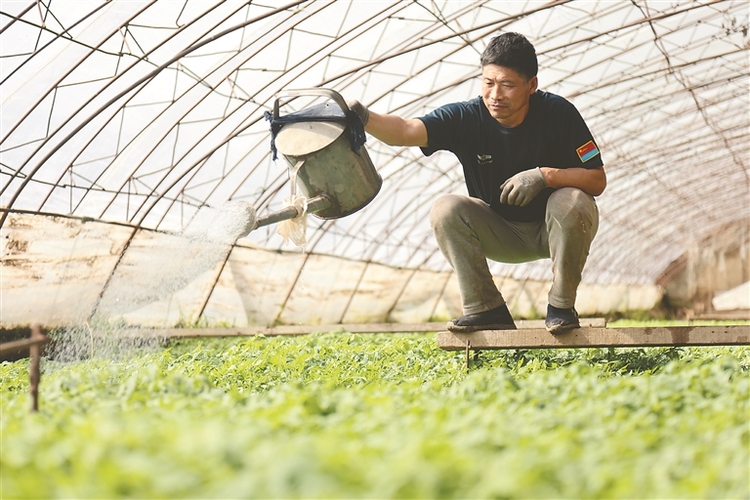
(121, 120)
(149, 192)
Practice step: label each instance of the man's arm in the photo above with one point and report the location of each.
(590, 180)
(391, 129)
(524, 186)
(397, 131)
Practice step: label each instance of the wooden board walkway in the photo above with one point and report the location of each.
(597, 337)
(173, 333)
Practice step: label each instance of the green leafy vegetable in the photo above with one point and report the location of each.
(385, 416)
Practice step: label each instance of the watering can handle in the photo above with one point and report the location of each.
(331, 94)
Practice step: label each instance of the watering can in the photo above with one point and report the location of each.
(320, 145)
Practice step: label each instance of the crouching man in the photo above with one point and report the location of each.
(532, 169)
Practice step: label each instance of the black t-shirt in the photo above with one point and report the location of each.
(553, 134)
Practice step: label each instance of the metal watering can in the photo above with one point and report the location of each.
(326, 156)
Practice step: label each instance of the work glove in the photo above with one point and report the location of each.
(523, 187)
(361, 110)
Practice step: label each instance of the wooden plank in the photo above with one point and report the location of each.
(598, 337)
(17, 345)
(291, 330)
(525, 324)
(740, 314)
(170, 333)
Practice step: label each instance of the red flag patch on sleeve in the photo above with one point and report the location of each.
(587, 151)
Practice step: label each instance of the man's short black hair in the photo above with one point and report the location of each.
(514, 51)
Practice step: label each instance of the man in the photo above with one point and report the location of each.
(532, 169)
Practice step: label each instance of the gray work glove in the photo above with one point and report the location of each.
(523, 187)
(361, 110)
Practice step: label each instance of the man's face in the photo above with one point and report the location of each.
(506, 94)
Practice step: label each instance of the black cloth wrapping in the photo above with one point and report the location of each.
(325, 112)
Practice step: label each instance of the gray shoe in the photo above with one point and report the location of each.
(498, 318)
(561, 320)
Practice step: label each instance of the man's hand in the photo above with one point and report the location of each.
(361, 110)
(522, 187)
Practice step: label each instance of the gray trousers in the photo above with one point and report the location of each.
(469, 232)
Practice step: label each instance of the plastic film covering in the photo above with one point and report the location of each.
(121, 120)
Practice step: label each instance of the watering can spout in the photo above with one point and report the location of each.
(316, 204)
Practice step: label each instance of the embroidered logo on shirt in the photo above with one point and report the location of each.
(484, 159)
(587, 151)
